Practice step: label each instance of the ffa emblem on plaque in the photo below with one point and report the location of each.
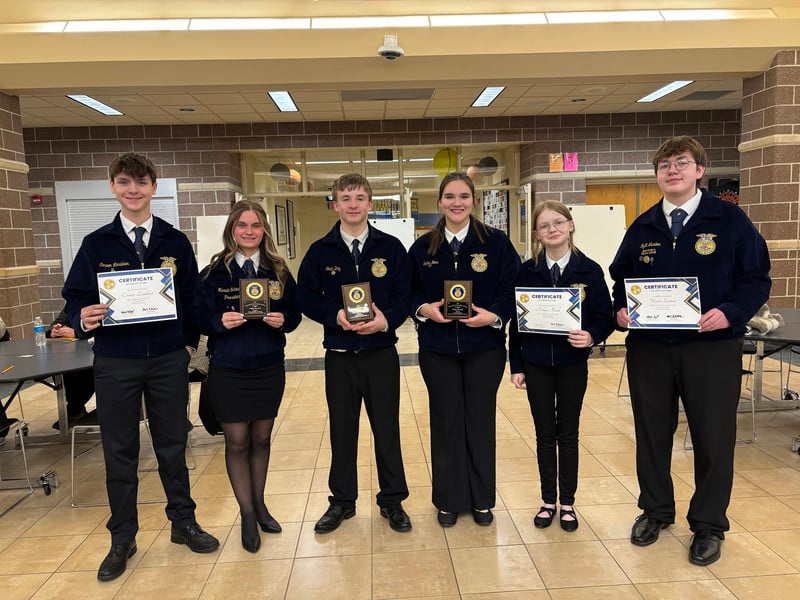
(479, 264)
(168, 262)
(275, 290)
(378, 267)
(109, 284)
(705, 245)
(356, 294)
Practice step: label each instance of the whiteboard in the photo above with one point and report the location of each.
(402, 229)
(599, 229)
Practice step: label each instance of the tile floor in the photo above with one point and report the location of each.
(50, 550)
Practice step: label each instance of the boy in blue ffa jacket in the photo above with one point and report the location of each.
(361, 359)
(690, 233)
(139, 360)
(553, 368)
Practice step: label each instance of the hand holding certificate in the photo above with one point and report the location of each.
(138, 296)
(555, 311)
(663, 303)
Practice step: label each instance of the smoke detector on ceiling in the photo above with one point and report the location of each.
(390, 50)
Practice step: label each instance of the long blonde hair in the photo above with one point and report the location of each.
(268, 252)
(555, 206)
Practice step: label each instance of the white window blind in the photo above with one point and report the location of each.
(84, 206)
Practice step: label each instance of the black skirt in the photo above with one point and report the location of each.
(246, 395)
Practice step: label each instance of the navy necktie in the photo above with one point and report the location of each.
(248, 269)
(555, 273)
(678, 215)
(455, 245)
(356, 252)
(138, 243)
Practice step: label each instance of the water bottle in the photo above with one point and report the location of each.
(38, 332)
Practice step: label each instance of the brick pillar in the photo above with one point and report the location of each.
(19, 275)
(770, 168)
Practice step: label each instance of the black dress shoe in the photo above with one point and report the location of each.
(544, 522)
(398, 519)
(198, 540)
(482, 518)
(114, 563)
(333, 517)
(568, 525)
(251, 539)
(705, 548)
(646, 529)
(447, 519)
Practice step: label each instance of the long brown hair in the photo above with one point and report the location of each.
(555, 206)
(477, 226)
(268, 252)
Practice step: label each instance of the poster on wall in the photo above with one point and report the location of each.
(495, 208)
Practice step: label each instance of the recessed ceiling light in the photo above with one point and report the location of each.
(368, 22)
(247, 24)
(283, 100)
(487, 20)
(127, 25)
(487, 96)
(663, 91)
(605, 16)
(90, 102)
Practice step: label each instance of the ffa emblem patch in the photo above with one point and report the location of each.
(275, 290)
(705, 245)
(168, 262)
(479, 264)
(378, 267)
(582, 287)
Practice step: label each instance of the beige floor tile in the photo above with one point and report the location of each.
(173, 582)
(523, 520)
(557, 562)
(749, 457)
(290, 460)
(216, 512)
(332, 578)
(756, 588)
(785, 543)
(524, 595)
(517, 469)
(78, 584)
(290, 426)
(520, 494)
(288, 482)
(602, 444)
(513, 448)
(163, 553)
(610, 521)
(763, 513)
(775, 481)
(743, 555)
(495, 569)
(21, 587)
(603, 490)
(242, 581)
(467, 534)
(597, 427)
(404, 574)
(354, 536)
(21, 520)
(666, 560)
(618, 463)
(590, 466)
(708, 589)
(425, 534)
(91, 552)
(273, 545)
(613, 592)
(37, 554)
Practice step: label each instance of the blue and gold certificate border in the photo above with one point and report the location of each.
(691, 299)
(522, 296)
(167, 291)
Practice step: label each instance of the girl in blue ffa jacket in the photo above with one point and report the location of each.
(462, 361)
(246, 377)
(554, 368)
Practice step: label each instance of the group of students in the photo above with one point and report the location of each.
(462, 360)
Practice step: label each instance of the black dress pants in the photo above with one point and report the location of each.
(374, 376)
(555, 394)
(707, 376)
(120, 384)
(462, 395)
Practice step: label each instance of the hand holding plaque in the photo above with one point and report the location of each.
(254, 298)
(457, 299)
(357, 299)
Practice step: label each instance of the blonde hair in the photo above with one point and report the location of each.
(536, 246)
(268, 251)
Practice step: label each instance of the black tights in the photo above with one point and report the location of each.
(247, 460)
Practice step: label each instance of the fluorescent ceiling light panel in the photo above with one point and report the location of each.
(487, 96)
(487, 20)
(284, 102)
(94, 104)
(247, 24)
(368, 22)
(45, 27)
(667, 89)
(607, 16)
(716, 15)
(127, 25)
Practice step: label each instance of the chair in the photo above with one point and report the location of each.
(790, 394)
(15, 432)
(621, 377)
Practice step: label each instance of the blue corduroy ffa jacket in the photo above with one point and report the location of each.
(110, 249)
(596, 314)
(329, 264)
(491, 266)
(251, 345)
(718, 245)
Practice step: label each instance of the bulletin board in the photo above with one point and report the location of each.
(495, 208)
(599, 229)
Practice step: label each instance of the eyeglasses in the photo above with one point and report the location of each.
(545, 227)
(681, 164)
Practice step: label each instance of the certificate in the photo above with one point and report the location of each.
(554, 311)
(663, 303)
(138, 296)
